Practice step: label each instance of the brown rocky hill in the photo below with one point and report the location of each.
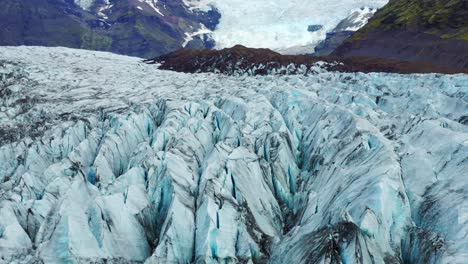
(240, 60)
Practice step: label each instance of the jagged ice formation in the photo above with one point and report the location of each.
(105, 159)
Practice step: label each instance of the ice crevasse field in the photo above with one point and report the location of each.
(106, 159)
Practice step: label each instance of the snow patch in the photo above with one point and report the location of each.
(189, 36)
(152, 4)
(357, 19)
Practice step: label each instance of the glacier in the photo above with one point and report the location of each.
(277, 24)
(105, 159)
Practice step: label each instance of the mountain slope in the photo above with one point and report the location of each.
(42, 22)
(345, 29)
(105, 159)
(433, 31)
(139, 28)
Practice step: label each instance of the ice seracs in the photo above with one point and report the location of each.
(138, 165)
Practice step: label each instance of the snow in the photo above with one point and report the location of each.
(85, 4)
(105, 8)
(278, 24)
(105, 158)
(189, 36)
(362, 18)
(153, 5)
(357, 19)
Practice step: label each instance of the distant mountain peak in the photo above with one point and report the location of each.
(356, 20)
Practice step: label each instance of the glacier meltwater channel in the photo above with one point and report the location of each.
(104, 159)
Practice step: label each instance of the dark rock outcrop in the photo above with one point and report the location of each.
(243, 60)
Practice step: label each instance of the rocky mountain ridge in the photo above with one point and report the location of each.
(143, 28)
(345, 29)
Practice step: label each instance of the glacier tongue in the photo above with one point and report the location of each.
(106, 159)
(276, 24)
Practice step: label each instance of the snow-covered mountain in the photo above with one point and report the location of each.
(105, 159)
(142, 28)
(148, 28)
(357, 19)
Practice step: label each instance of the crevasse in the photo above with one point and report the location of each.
(138, 165)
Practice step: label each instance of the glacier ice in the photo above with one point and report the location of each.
(106, 159)
(278, 24)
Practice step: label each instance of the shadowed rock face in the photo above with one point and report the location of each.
(331, 42)
(138, 28)
(242, 60)
(431, 31)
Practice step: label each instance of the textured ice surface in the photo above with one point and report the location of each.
(106, 159)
